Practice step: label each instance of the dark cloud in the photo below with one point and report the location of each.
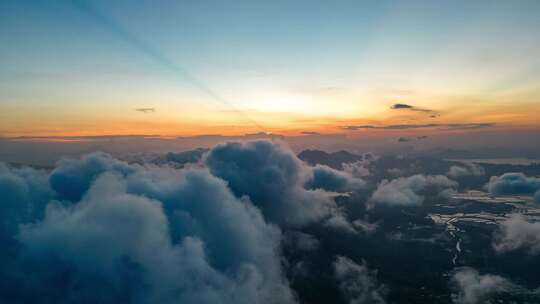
(235, 228)
(146, 110)
(359, 127)
(143, 233)
(402, 106)
(72, 177)
(473, 287)
(467, 126)
(24, 193)
(455, 126)
(274, 179)
(408, 139)
(404, 139)
(310, 133)
(135, 234)
(185, 157)
(330, 179)
(300, 241)
(410, 191)
(357, 283)
(513, 183)
(334, 160)
(517, 233)
(398, 106)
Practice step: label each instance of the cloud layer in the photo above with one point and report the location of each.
(465, 170)
(356, 283)
(275, 180)
(403, 106)
(159, 234)
(475, 288)
(136, 234)
(513, 183)
(247, 223)
(410, 191)
(517, 233)
(444, 127)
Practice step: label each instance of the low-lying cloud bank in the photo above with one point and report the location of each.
(517, 233)
(473, 287)
(144, 234)
(149, 234)
(411, 191)
(357, 283)
(465, 170)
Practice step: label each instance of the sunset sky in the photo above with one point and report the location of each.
(77, 68)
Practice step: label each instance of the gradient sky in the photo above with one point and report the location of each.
(233, 67)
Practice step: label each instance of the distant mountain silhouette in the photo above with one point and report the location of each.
(333, 160)
(175, 159)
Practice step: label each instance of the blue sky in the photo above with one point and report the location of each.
(315, 59)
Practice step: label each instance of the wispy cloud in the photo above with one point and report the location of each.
(398, 106)
(452, 126)
(359, 127)
(146, 110)
(407, 139)
(403, 106)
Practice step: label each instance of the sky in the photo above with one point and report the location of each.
(183, 68)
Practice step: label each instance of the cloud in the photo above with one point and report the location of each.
(359, 127)
(137, 233)
(475, 288)
(513, 183)
(24, 193)
(398, 106)
(357, 284)
(357, 169)
(300, 241)
(274, 179)
(404, 139)
(402, 106)
(458, 171)
(160, 234)
(339, 222)
(407, 139)
(410, 191)
(468, 170)
(310, 133)
(365, 225)
(72, 177)
(335, 160)
(146, 110)
(442, 127)
(395, 172)
(537, 197)
(185, 157)
(517, 233)
(330, 179)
